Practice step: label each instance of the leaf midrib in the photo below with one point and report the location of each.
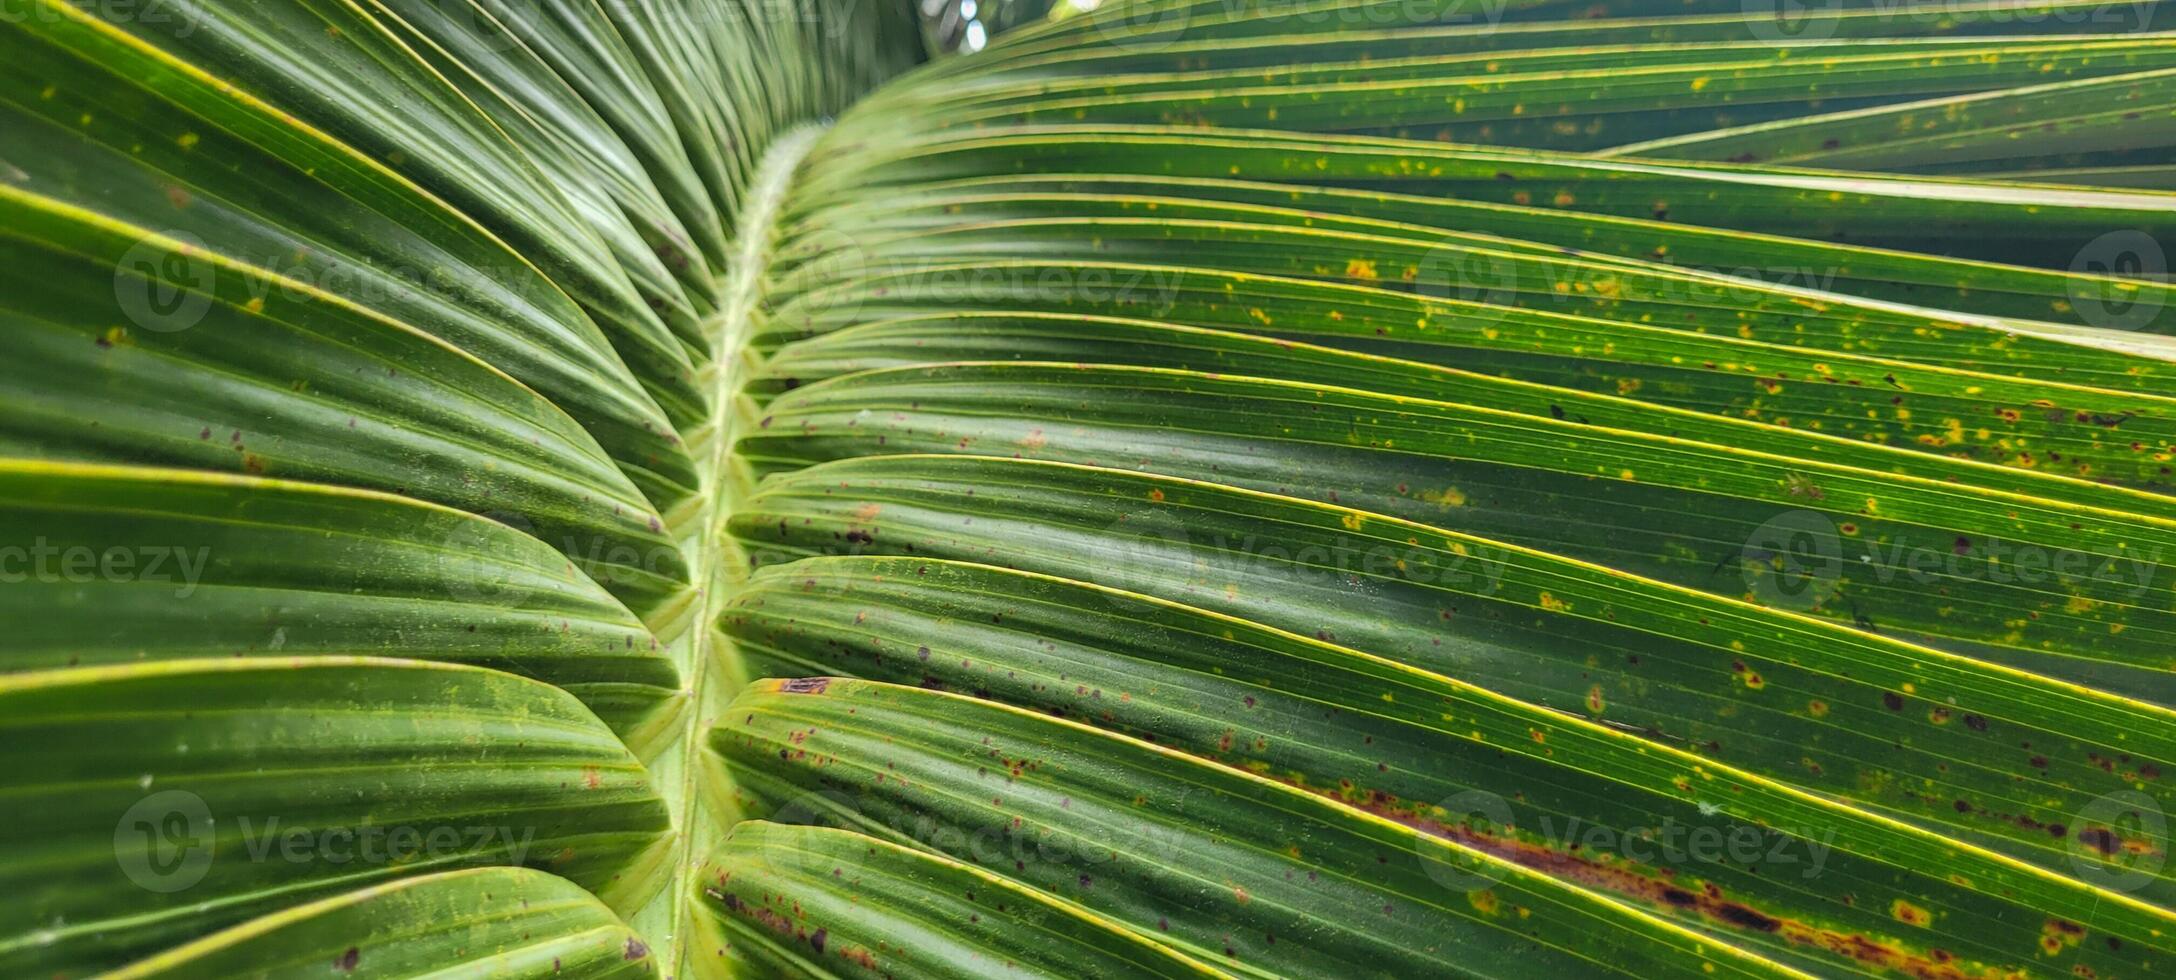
(715, 562)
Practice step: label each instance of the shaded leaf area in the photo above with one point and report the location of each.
(1206, 34)
(177, 147)
(1227, 867)
(1812, 880)
(269, 377)
(1908, 730)
(2097, 122)
(363, 429)
(1591, 94)
(1564, 508)
(1870, 398)
(245, 787)
(331, 66)
(812, 900)
(508, 921)
(1988, 221)
(2094, 428)
(573, 148)
(1541, 75)
(1705, 514)
(2155, 176)
(1471, 265)
(122, 565)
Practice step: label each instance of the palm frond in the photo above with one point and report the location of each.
(1321, 489)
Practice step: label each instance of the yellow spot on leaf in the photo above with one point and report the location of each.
(1447, 497)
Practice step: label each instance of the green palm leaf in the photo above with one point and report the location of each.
(705, 488)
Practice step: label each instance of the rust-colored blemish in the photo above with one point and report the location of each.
(806, 685)
(2058, 933)
(1658, 889)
